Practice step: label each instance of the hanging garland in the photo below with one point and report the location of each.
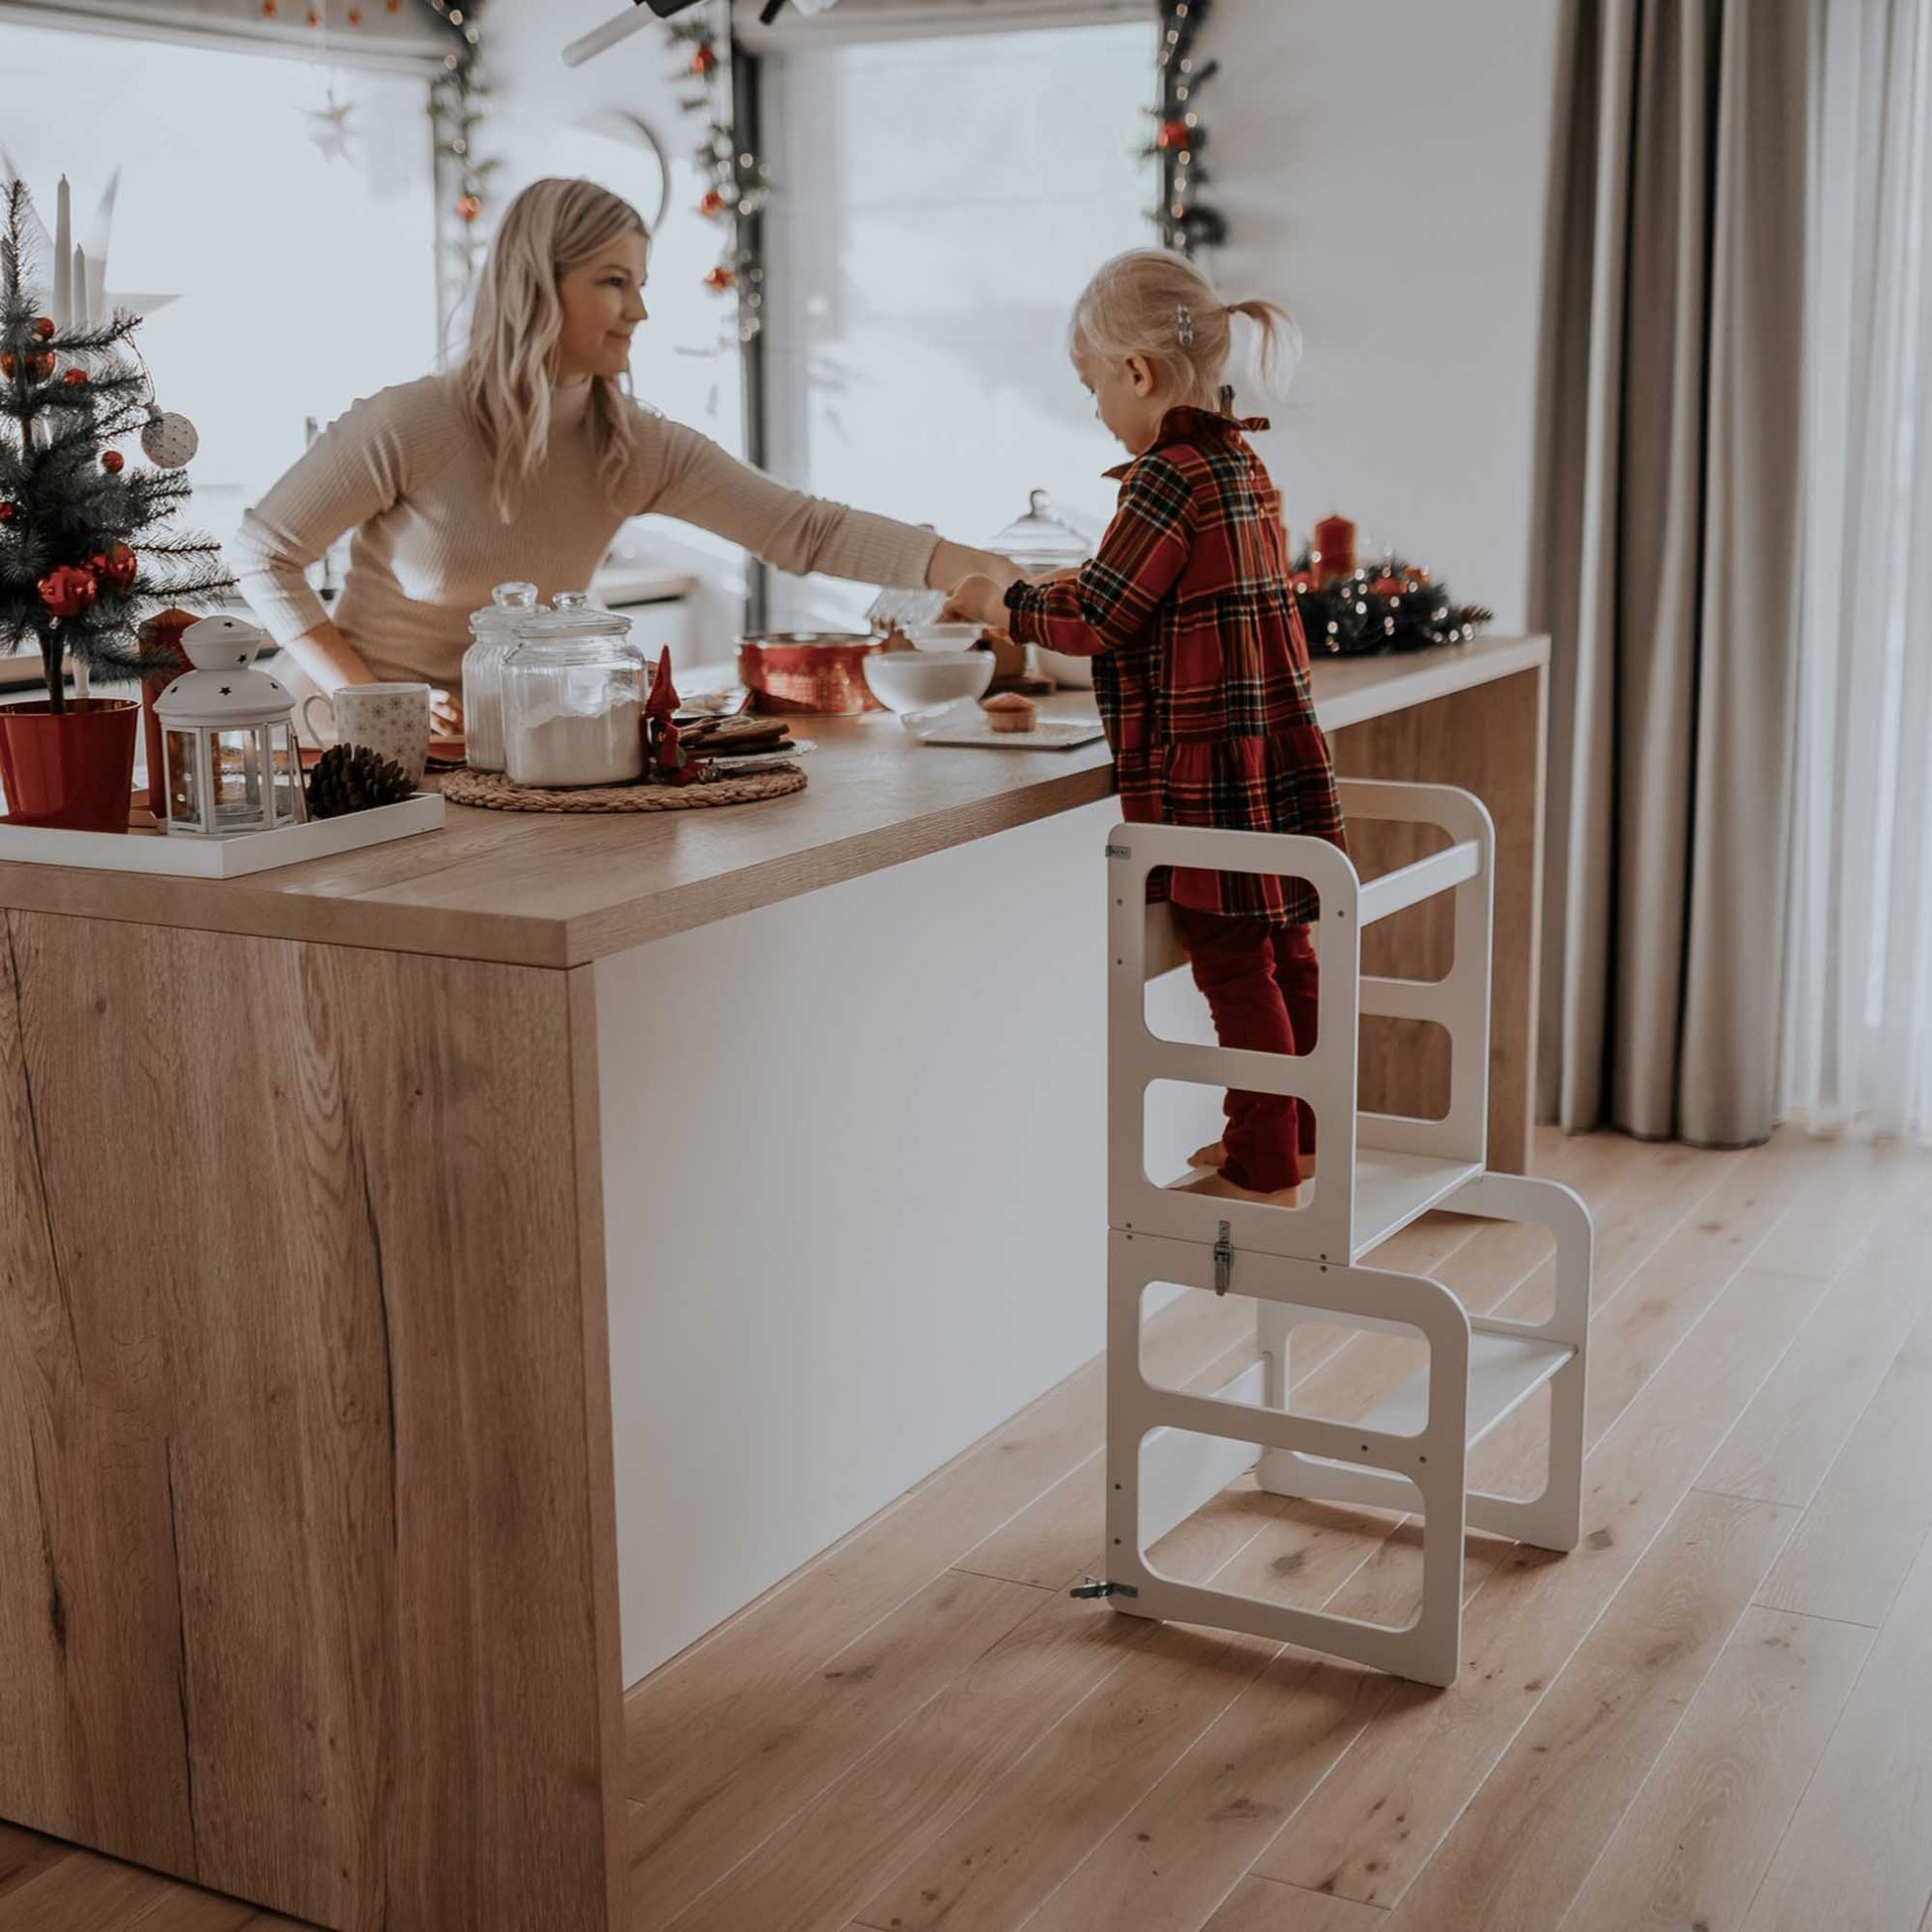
(1186, 221)
(456, 109)
(738, 184)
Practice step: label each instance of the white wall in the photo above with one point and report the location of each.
(1385, 166)
(1385, 169)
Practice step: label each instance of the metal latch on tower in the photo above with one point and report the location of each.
(1093, 1586)
(1223, 1261)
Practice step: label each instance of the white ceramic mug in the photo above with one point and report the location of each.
(392, 720)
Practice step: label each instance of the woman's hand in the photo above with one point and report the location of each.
(977, 600)
(445, 713)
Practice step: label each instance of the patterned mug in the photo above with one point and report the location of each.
(392, 720)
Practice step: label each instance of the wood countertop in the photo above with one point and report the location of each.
(539, 889)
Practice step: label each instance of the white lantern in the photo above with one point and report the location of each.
(228, 733)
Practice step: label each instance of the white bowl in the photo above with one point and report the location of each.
(916, 680)
(943, 637)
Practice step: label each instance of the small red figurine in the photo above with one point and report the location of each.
(668, 764)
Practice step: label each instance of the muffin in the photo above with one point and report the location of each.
(1010, 712)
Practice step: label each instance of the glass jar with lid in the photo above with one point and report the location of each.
(574, 698)
(493, 634)
(1044, 539)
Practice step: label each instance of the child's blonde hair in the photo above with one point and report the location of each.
(1150, 303)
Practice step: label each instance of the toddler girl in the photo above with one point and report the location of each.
(1200, 669)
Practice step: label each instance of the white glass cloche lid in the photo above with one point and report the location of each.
(509, 606)
(573, 618)
(224, 687)
(1044, 538)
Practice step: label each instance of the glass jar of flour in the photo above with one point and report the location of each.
(574, 698)
(493, 631)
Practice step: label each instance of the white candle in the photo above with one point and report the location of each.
(64, 258)
(80, 291)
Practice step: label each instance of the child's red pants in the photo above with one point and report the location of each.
(1259, 984)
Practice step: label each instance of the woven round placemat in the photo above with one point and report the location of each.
(497, 793)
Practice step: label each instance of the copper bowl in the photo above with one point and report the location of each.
(788, 672)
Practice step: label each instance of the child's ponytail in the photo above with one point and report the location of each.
(1274, 348)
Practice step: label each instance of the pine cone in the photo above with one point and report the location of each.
(353, 779)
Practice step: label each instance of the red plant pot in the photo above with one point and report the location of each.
(73, 769)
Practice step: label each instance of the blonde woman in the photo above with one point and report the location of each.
(523, 463)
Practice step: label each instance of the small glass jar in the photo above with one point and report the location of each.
(494, 630)
(574, 698)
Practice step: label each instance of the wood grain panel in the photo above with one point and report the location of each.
(1693, 1846)
(305, 1492)
(1491, 740)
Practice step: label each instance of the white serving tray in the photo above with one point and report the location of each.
(964, 723)
(192, 857)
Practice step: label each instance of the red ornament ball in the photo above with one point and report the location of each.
(115, 566)
(112, 461)
(39, 364)
(43, 327)
(714, 204)
(721, 278)
(1384, 587)
(1174, 136)
(704, 60)
(8, 511)
(467, 207)
(68, 590)
(74, 378)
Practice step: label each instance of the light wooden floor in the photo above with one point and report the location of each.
(1716, 1714)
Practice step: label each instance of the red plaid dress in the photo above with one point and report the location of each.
(1200, 667)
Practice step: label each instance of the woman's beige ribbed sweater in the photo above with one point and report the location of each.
(406, 471)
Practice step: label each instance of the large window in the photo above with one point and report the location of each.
(941, 201)
(285, 255)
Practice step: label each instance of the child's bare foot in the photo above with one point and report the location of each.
(1215, 1156)
(1219, 1185)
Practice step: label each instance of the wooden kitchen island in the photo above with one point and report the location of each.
(441, 1282)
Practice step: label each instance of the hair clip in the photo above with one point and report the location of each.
(1185, 325)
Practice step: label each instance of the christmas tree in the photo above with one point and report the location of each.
(85, 547)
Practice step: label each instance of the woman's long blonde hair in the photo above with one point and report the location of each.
(511, 366)
(1150, 303)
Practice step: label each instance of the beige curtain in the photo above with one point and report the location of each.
(1673, 505)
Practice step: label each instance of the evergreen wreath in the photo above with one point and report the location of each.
(1391, 606)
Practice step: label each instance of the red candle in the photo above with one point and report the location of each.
(1334, 549)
